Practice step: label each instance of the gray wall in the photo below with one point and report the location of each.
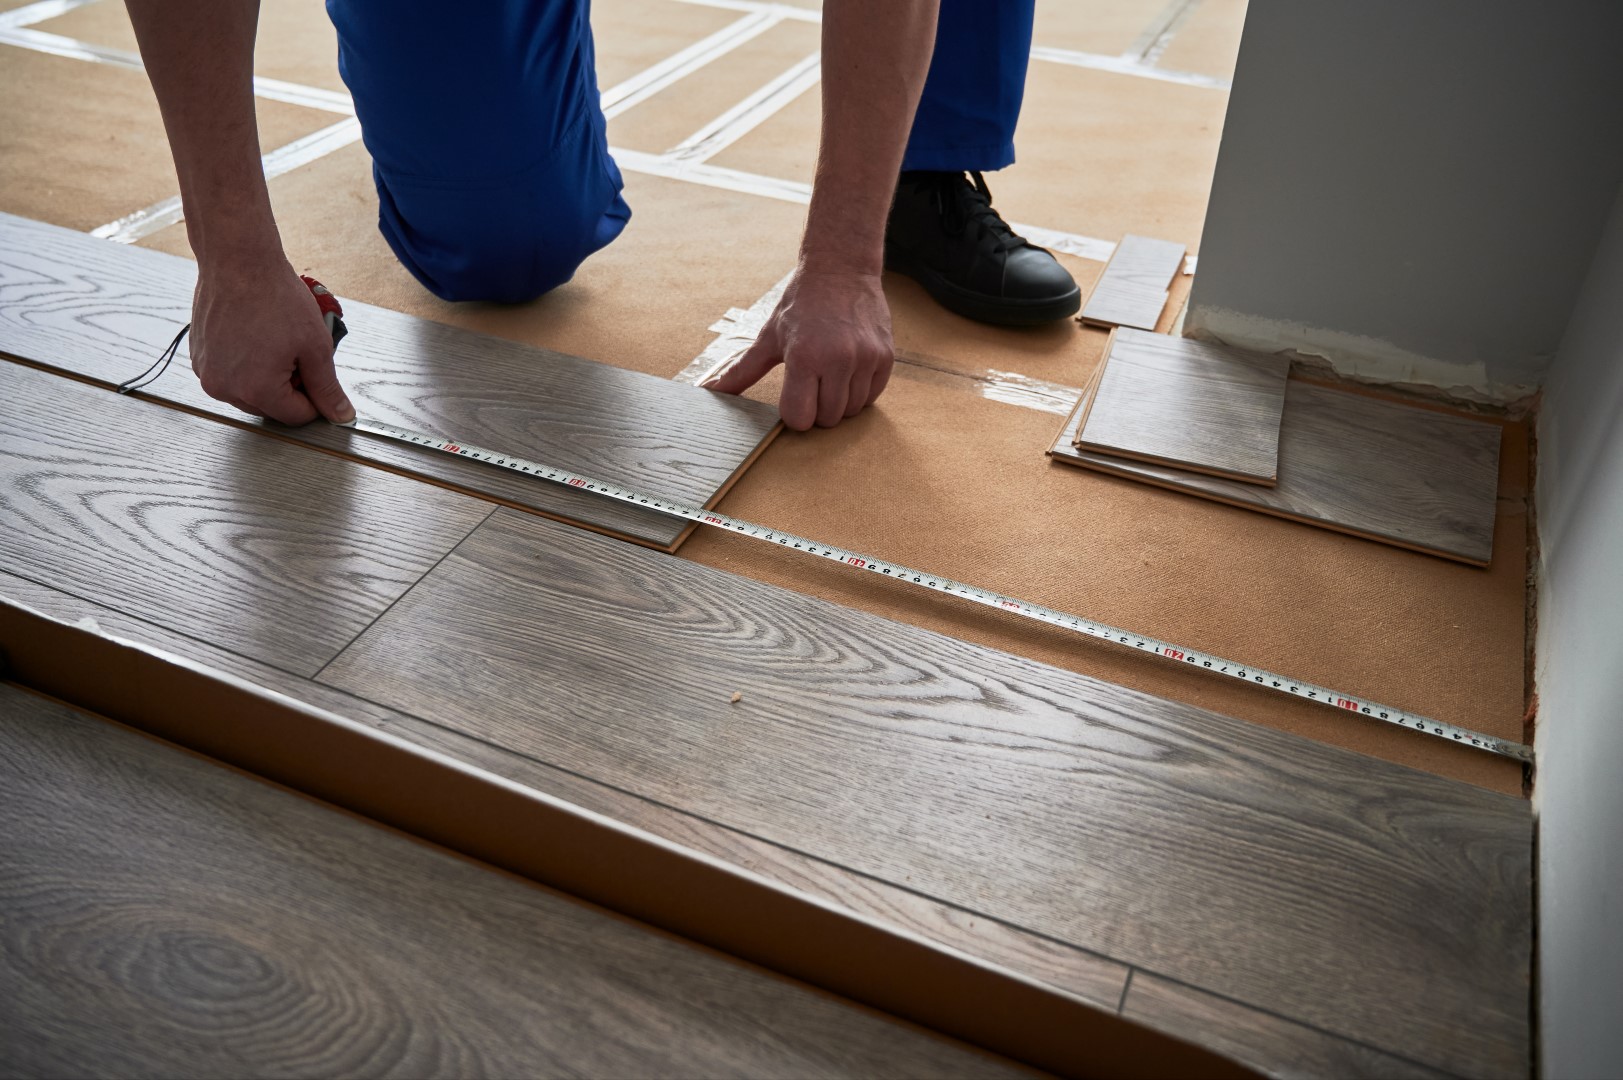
(1414, 188)
(1579, 787)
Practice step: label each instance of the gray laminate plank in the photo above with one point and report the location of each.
(268, 548)
(1269, 1044)
(1400, 474)
(105, 311)
(1133, 289)
(1383, 904)
(1189, 404)
(161, 915)
(1093, 978)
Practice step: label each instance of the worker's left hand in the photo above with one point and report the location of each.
(831, 331)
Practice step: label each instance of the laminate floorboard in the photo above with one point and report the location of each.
(1135, 284)
(270, 549)
(1093, 978)
(1404, 475)
(105, 311)
(1274, 1046)
(1189, 404)
(163, 915)
(1378, 903)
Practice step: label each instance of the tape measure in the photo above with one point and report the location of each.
(1189, 658)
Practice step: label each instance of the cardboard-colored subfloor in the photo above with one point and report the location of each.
(1208, 41)
(1107, 27)
(939, 475)
(82, 144)
(1097, 153)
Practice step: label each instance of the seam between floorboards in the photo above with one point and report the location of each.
(404, 593)
(1132, 968)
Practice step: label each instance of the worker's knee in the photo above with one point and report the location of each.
(508, 243)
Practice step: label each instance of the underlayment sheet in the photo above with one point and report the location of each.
(121, 161)
(673, 114)
(296, 41)
(1208, 41)
(1109, 27)
(1100, 154)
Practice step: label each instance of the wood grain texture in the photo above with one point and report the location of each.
(1402, 474)
(1268, 1043)
(270, 549)
(106, 311)
(1134, 286)
(1379, 903)
(161, 915)
(1189, 404)
(1091, 977)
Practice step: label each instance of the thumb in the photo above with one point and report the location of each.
(747, 370)
(322, 388)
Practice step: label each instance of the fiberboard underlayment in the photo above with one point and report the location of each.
(940, 474)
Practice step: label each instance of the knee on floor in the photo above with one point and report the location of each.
(507, 246)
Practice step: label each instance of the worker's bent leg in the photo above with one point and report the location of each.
(971, 99)
(487, 139)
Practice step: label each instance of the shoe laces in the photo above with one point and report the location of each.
(962, 202)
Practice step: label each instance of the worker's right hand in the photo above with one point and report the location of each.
(258, 337)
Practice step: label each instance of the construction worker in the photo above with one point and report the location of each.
(495, 182)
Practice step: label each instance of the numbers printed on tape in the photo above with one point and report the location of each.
(1204, 661)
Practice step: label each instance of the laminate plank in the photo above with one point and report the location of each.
(1135, 284)
(1189, 404)
(1404, 475)
(1270, 1044)
(1379, 903)
(268, 548)
(105, 311)
(1093, 978)
(163, 915)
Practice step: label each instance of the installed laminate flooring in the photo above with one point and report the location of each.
(269, 549)
(1401, 474)
(1380, 904)
(162, 915)
(1189, 404)
(105, 311)
(1135, 284)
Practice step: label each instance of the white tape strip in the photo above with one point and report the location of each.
(29, 14)
(1125, 65)
(132, 227)
(645, 84)
(750, 113)
(1216, 665)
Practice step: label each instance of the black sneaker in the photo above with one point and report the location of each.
(944, 234)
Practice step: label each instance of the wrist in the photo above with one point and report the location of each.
(848, 260)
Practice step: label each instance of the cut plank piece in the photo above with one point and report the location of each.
(266, 548)
(105, 311)
(1133, 289)
(1378, 903)
(1193, 405)
(1401, 474)
(163, 915)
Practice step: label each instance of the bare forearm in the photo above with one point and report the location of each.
(875, 58)
(199, 56)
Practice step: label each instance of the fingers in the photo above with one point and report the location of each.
(833, 389)
(322, 388)
(857, 392)
(798, 403)
(284, 405)
(748, 369)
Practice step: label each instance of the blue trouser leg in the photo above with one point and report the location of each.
(487, 139)
(971, 98)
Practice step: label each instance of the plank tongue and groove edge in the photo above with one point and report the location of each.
(1133, 289)
(105, 311)
(1377, 903)
(1189, 404)
(1404, 475)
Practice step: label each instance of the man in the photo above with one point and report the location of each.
(494, 182)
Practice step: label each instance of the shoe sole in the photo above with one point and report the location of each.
(997, 310)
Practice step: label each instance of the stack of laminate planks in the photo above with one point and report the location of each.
(1232, 426)
(1132, 291)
